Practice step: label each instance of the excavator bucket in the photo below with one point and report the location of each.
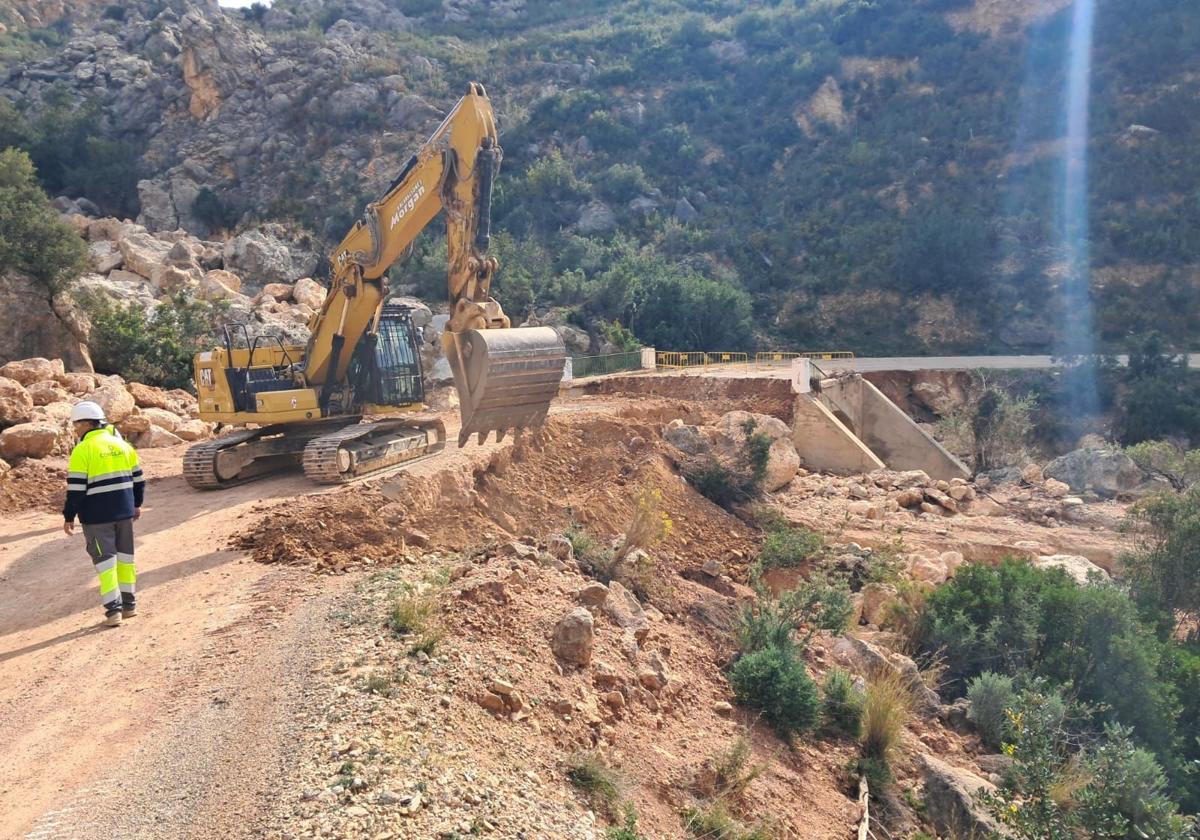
(506, 378)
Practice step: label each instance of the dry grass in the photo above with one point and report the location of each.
(416, 615)
(602, 784)
(886, 711)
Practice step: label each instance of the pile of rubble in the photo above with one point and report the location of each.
(36, 397)
(259, 277)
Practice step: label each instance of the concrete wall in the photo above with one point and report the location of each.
(886, 430)
(824, 442)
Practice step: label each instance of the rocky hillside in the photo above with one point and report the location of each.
(882, 176)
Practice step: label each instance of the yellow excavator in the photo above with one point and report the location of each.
(351, 402)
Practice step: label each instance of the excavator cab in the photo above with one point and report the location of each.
(386, 368)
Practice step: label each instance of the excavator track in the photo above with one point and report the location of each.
(371, 449)
(200, 461)
(249, 454)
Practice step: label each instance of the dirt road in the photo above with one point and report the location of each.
(177, 724)
(126, 732)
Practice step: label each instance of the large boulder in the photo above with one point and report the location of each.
(687, 439)
(78, 384)
(29, 440)
(1106, 472)
(147, 396)
(16, 404)
(219, 284)
(104, 256)
(573, 638)
(117, 402)
(596, 218)
(864, 657)
(309, 292)
(623, 608)
(29, 371)
(1076, 566)
(162, 418)
(950, 801)
(193, 430)
(144, 254)
(259, 258)
(155, 437)
(782, 460)
(47, 391)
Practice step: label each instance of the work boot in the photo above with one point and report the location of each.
(128, 611)
(112, 620)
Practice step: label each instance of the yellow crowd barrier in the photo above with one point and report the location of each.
(698, 358)
(778, 357)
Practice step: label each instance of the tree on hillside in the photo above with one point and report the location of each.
(1163, 399)
(32, 238)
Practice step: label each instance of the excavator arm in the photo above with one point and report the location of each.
(505, 377)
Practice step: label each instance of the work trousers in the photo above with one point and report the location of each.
(110, 545)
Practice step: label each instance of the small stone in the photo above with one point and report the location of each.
(592, 595)
(492, 702)
(1031, 474)
(356, 811)
(857, 491)
(723, 708)
(1056, 489)
(501, 687)
(574, 636)
(615, 699)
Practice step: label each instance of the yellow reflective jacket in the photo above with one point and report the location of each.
(104, 480)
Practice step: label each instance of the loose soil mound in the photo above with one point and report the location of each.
(583, 468)
(32, 485)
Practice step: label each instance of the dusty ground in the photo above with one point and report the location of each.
(269, 698)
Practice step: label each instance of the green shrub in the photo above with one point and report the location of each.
(417, 616)
(820, 603)
(598, 781)
(1169, 460)
(786, 548)
(715, 483)
(1112, 790)
(991, 697)
(32, 239)
(627, 830)
(842, 703)
(993, 426)
(775, 682)
(1164, 569)
(155, 348)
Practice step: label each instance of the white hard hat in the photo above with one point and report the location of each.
(87, 410)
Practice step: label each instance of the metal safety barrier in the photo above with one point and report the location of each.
(698, 358)
(774, 357)
(584, 366)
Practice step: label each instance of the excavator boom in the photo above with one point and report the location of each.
(505, 377)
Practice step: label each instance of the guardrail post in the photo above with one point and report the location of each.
(568, 370)
(649, 359)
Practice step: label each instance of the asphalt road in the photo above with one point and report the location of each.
(960, 363)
